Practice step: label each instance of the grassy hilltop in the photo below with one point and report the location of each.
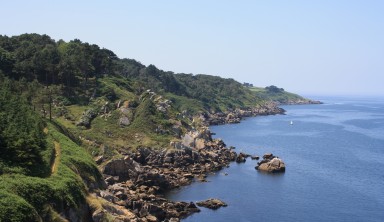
(280, 96)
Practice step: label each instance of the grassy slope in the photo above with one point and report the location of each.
(26, 198)
(280, 97)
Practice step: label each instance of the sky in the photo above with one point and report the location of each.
(316, 47)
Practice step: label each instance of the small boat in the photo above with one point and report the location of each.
(291, 123)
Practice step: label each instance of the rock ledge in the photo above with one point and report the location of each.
(212, 203)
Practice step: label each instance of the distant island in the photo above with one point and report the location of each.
(88, 136)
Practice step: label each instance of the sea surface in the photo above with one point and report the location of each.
(334, 156)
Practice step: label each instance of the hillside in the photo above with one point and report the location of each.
(85, 135)
(280, 96)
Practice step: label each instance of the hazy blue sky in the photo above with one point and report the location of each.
(308, 46)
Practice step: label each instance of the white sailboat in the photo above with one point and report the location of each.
(291, 123)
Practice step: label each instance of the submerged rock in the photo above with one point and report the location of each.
(241, 158)
(212, 203)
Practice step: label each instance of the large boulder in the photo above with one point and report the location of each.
(197, 138)
(153, 178)
(271, 164)
(125, 168)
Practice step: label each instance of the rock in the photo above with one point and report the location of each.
(274, 165)
(99, 159)
(125, 168)
(241, 158)
(86, 118)
(188, 175)
(255, 157)
(268, 156)
(202, 178)
(153, 178)
(151, 218)
(197, 138)
(124, 121)
(99, 216)
(212, 203)
(108, 196)
(153, 210)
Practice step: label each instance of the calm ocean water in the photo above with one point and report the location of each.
(334, 154)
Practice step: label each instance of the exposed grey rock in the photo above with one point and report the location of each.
(124, 121)
(125, 168)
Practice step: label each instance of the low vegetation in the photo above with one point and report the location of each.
(278, 95)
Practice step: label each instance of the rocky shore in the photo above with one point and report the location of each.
(236, 115)
(299, 102)
(137, 182)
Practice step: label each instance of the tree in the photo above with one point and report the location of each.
(21, 130)
(274, 89)
(6, 61)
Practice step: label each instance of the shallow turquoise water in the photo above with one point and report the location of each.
(334, 154)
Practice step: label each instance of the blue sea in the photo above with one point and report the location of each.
(334, 156)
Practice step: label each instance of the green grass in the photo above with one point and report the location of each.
(13, 208)
(280, 97)
(121, 86)
(183, 103)
(35, 198)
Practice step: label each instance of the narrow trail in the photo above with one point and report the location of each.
(57, 154)
(57, 157)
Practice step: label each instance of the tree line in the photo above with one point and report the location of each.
(68, 67)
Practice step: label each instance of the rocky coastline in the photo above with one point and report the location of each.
(299, 102)
(236, 115)
(137, 182)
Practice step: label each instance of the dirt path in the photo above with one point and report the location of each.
(57, 157)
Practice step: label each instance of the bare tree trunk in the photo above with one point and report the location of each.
(50, 104)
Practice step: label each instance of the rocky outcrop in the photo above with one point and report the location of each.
(235, 116)
(299, 102)
(197, 138)
(241, 158)
(138, 181)
(271, 164)
(122, 169)
(255, 157)
(212, 203)
(86, 118)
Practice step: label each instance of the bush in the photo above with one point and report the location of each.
(16, 209)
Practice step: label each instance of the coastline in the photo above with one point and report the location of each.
(138, 181)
